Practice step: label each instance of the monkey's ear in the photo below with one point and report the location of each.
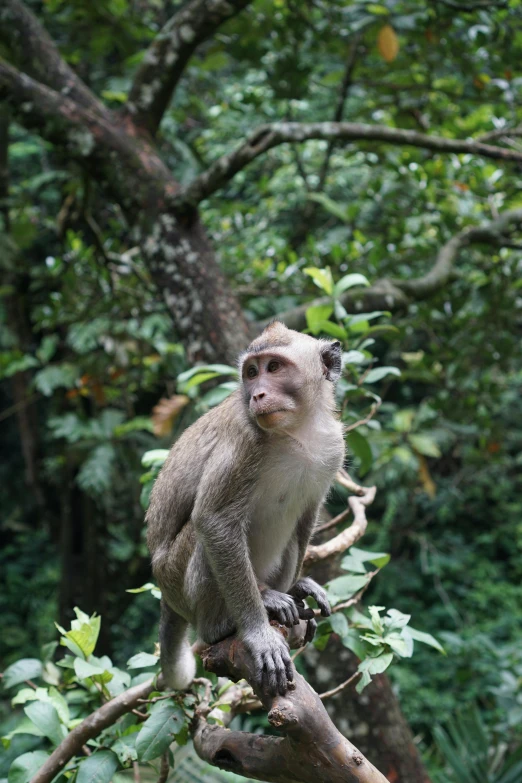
(331, 357)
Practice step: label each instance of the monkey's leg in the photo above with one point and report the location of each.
(177, 660)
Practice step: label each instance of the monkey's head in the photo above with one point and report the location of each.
(286, 376)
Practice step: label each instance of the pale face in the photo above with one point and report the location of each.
(271, 387)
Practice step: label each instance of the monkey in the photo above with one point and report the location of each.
(235, 503)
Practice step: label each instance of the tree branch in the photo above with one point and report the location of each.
(268, 136)
(311, 747)
(87, 136)
(89, 728)
(36, 54)
(397, 294)
(348, 537)
(167, 56)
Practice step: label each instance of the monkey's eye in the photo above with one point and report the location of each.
(251, 372)
(273, 366)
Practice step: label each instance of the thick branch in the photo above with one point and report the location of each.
(311, 749)
(36, 54)
(88, 729)
(167, 56)
(87, 136)
(268, 136)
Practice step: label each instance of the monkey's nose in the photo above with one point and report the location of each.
(258, 396)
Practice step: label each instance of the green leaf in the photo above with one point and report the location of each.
(52, 696)
(45, 718)
(317, 315)
(398, 644)
(361, 448)
(337, 210)
(377, 622)
(95, 475)
(126, 753)
(98, 768)
(47, 348)
(344, 587)
(424, 445)
(354, 357)
(371, 666)
(322, 278)
(58, 376)
(215, 396)
(349, 281)
(378, 373)
(166, 719)
(85, 670)
(142, 659)
(339, 623)
(355, 557)
(215, 369)
(352, 641)
(22, 670)
(425, 638)
(25, 767)
(155, 457)
(83, 634)
(396, 620)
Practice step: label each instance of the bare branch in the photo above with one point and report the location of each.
(37, 55)
(167, 56)
(268, 136)
(326, 695)
(89, 728)
(348, 537)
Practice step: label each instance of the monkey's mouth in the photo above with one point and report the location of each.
(269, 418)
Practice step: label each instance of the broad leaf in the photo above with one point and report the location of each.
(22, 670)
(166, 719)
(45, 718)
(98, 768)
(25, 767)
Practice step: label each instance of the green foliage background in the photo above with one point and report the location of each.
(96, 350)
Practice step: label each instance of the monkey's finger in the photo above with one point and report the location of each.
(282, 683)
(304, 611)
(310, 631)
(289, 666)
(324, 605)
(293, 612)
(270, 676)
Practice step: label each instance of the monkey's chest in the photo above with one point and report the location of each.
(287, 491)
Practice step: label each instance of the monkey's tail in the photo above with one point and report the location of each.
(178, 664)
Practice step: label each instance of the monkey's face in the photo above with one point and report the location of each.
(272, 385)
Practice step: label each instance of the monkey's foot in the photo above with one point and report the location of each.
(285, 609)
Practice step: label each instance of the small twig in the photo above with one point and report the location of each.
(136, 770)
(87, 751)
(375, 407)
(346, 481)
(141, 715)
(357, 597)
(335, 521)
(341, 687)
(155, 699)
(164, 768)
(31, 684)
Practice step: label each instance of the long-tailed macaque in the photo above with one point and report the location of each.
(235, 504)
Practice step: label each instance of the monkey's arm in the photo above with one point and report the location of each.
(222, 528)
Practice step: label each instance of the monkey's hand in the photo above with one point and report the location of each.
(273, 668)
(284, 608)
(307, 587)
